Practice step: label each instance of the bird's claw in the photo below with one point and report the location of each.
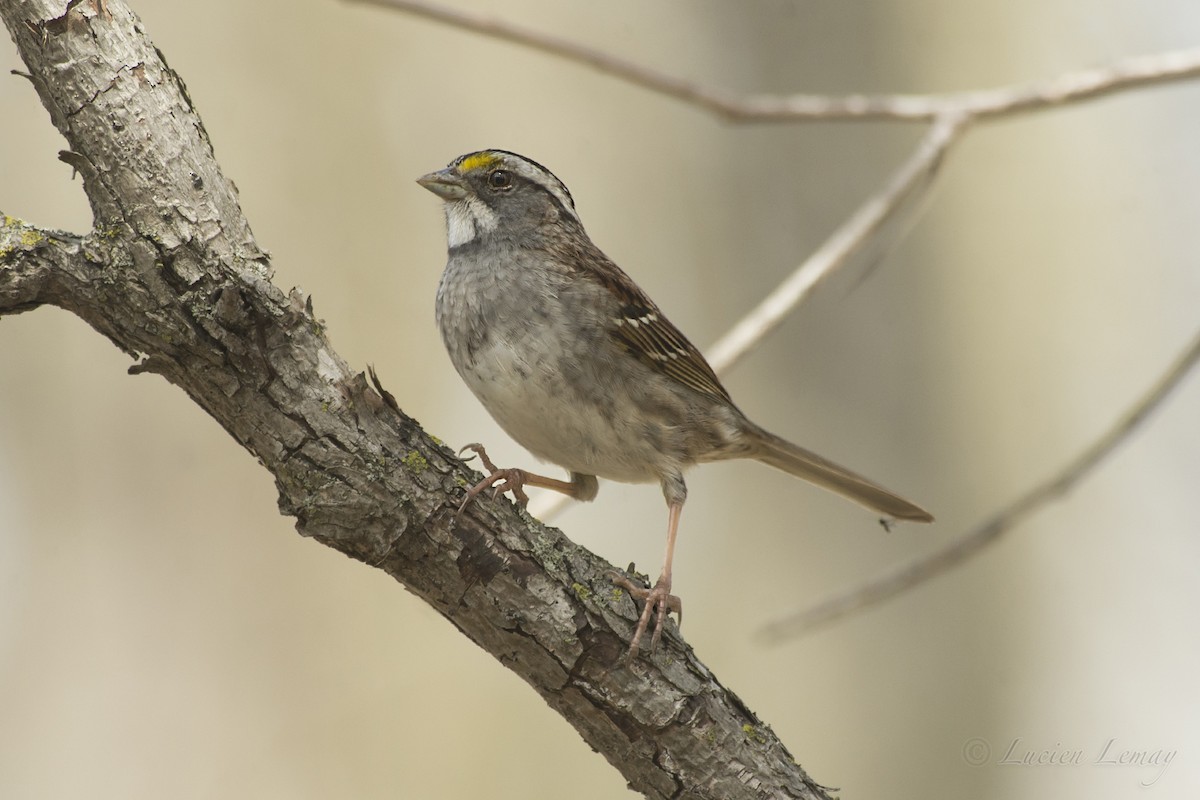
(657, 597)
(498, 480)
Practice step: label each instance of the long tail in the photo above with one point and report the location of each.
(790, 458)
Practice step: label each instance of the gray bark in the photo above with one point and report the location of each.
(172, 275)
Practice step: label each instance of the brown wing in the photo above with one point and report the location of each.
(643, 330)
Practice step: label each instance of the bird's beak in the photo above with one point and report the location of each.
(445, 183)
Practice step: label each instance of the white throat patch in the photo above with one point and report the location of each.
(466, 219)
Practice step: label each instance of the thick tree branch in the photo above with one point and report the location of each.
(32, 259)
(172, 274)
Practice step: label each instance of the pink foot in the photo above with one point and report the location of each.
(498, 480)
(659, 597)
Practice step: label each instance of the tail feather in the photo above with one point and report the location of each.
(805, 464)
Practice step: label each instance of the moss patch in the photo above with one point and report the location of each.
(415, 462)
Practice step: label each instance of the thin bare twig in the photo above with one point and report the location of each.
(893, 583)
(1070, 87)
(909, 181)
(714, 100)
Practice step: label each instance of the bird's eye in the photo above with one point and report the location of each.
(500, 179)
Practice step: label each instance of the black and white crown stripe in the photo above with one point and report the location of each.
(528, 169)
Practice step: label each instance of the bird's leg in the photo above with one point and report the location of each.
(512, 480)
(659, 596)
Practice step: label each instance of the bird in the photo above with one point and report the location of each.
(576, 363)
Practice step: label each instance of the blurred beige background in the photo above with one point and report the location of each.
(165, 633)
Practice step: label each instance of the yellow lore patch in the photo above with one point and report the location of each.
(477, 161)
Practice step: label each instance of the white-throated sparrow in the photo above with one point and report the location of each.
(578, 365)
